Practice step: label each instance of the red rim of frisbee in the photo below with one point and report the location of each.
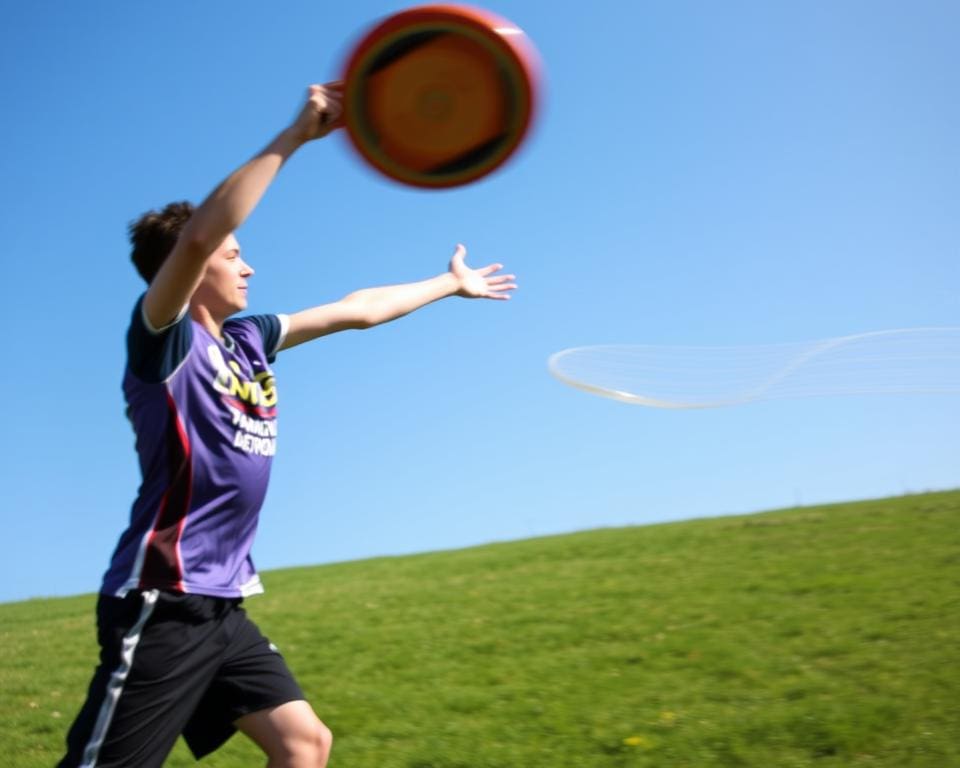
(490, 43)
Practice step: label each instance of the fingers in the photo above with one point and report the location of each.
(329, 106)
(499, 287)
(335, 86)
(481, 283)
(489, 269)
(323, 111)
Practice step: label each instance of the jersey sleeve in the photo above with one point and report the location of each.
(153, 354)
(273, 331)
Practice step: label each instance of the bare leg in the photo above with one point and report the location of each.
(291, 735)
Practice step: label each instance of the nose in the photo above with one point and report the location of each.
(246, 270)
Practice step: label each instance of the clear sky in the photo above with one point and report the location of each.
(703, 173)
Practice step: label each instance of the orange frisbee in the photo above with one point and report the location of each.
(440, 95)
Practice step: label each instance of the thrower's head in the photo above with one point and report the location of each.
(225, 281)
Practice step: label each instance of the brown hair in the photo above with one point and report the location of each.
(154, 234)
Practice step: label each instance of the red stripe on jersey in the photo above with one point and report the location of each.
(162, 565)
(252, 410)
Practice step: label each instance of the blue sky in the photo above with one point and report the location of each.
(702, 173)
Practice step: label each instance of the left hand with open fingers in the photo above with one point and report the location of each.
(480, 283)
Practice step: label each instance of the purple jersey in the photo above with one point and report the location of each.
(205, 415)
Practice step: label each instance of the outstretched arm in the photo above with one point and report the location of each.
(228, 206)
(374, 306)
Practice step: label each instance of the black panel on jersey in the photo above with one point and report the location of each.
(154, 356)
(269, 326)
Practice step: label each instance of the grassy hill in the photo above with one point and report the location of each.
(822, 636)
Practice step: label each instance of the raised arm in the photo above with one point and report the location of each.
(373, 306)
(228, 206)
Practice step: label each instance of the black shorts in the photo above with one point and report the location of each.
(172, 664)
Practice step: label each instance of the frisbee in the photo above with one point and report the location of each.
(440, 95)
(898, 361)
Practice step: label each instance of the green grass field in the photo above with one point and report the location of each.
(821, 636)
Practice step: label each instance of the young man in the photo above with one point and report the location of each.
(178, 653)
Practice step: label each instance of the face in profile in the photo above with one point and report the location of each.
(223, 288)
